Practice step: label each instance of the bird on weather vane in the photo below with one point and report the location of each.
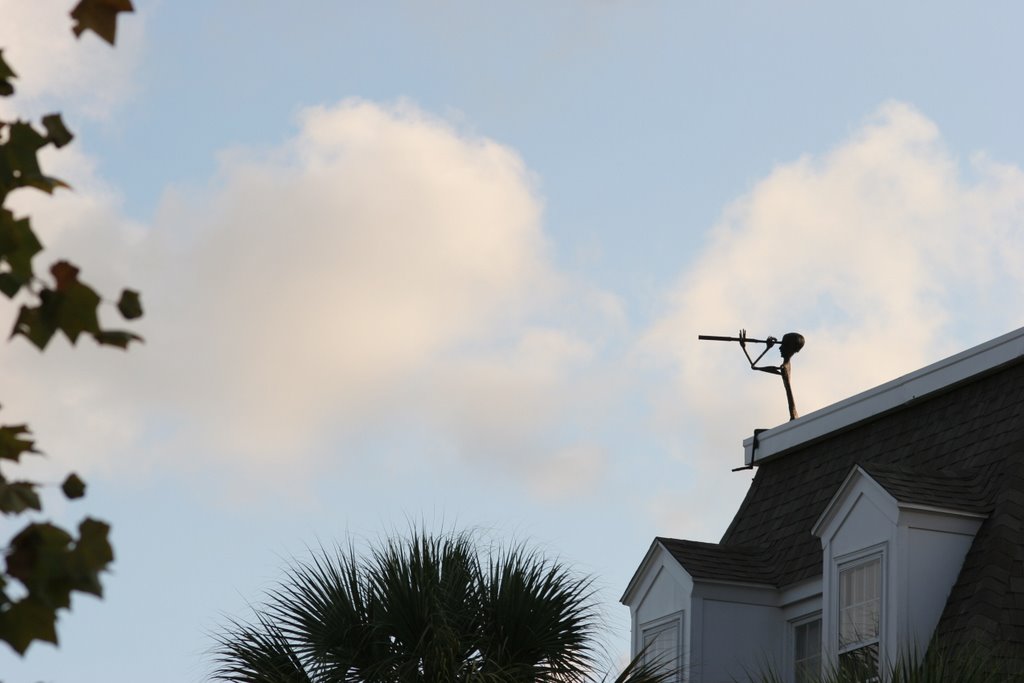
(791, 343)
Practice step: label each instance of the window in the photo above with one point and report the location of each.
(860, 609)
(807, 650)
(662, 643)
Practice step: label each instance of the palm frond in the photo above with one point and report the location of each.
(643, 670)
(539, 620)
(321, 608)
(256, 653)
(424, 608)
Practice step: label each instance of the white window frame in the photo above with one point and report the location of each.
(656, 626)
(853, 561)
(794, 624)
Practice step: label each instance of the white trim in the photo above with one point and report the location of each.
(808, 589)
(641, 571)
(760, 595)
(738, 584)
(927, 380)
(657, 556)
(833, 506)
(932, 509)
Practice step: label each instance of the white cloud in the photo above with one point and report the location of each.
(886, 253)
(318, 279)
(573, 471)
(383, 273)
(379, 271)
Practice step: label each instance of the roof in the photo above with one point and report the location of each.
(711, 561)
(917, 453)
(953, 444)
(952, 489)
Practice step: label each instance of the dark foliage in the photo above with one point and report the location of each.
(427, 608)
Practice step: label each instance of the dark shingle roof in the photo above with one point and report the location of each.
(721, 562)
(919, 453)
(961, 490)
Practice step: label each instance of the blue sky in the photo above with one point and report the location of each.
(448, 261)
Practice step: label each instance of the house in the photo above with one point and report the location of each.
(872, 528)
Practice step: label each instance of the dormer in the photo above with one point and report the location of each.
(691, 602)
(893, 542)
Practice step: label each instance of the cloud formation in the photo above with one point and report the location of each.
(371, 271)
(886, 252)
(383, 274)
(379, 272)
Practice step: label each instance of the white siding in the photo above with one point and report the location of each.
(738, 641)
(933, 564)
(666, 594)
(865, 525)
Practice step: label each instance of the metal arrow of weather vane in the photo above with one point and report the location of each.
(791, 343)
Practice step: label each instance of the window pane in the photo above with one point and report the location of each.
(807, 654)
(808, 671)
(661, 645)
(860, 664)
(860, 601)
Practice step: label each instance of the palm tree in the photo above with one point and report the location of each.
(423, 609)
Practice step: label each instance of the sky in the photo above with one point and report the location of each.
(445, 264)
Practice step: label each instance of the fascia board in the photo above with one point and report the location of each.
(798, 592)
(941, 519)
(640, 573)
(936, 510)
(721, 588)
(886, 397)
(826, 516)
(657, 555)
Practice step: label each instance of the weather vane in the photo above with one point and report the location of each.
(790, 344)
